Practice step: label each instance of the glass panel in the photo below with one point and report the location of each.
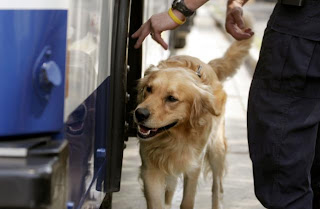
(88, 68)
(84, 70)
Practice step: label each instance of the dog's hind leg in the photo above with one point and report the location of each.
(216, 156)
(190, 188)
(216, 191)
(171, 183)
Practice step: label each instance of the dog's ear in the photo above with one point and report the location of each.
(141, 85)
(150, 69)
(206, 102)
(143, 81)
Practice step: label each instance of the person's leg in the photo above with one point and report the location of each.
(282, 133)
(315, 175)
(283, 120)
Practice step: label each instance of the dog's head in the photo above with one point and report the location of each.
(173, 98)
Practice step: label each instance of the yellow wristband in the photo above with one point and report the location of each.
(175, 18)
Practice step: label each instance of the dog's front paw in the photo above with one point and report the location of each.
(217, 206)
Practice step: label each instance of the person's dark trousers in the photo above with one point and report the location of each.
(315, 180)
(284, 122)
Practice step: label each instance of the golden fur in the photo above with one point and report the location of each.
(197, 141)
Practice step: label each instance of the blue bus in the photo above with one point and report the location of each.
(68, 72)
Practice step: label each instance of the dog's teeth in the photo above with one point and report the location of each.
(142, 131)
(145, 133)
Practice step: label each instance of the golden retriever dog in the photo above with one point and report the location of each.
(180, 119)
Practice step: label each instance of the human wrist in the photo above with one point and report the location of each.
(194, 5)
(182, 8)
(190, 5)
(179, 20)
(179, 15)
(235, 3)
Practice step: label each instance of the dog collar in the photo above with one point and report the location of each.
(199, 71)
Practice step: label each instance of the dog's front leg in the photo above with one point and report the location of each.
(154, 188)
(171, 184)
(190, 188)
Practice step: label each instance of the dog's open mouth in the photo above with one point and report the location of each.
(145, 132)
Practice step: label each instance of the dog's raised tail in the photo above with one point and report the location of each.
(227, 65)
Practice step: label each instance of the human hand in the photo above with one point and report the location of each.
(155, 26)
(235, 24)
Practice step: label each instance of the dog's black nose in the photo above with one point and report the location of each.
(142, 114)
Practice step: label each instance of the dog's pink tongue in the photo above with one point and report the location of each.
(143, 129)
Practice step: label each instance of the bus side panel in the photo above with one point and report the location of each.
(32, 66)
(86, 131)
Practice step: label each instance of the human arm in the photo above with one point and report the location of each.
(234, 21)
(162, 22)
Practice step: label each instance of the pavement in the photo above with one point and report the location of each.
(206, 41)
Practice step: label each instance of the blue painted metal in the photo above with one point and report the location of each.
(70, 205)
(32, 69)
(101, 153)
(86, 131)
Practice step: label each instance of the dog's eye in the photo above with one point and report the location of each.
(149, 89)
(171, 99)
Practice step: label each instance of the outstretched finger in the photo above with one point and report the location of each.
(249, 31)
(238, 33)
(157, 37)
(137, 33)
(141, 38)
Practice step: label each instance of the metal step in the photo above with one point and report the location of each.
(37, 181)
